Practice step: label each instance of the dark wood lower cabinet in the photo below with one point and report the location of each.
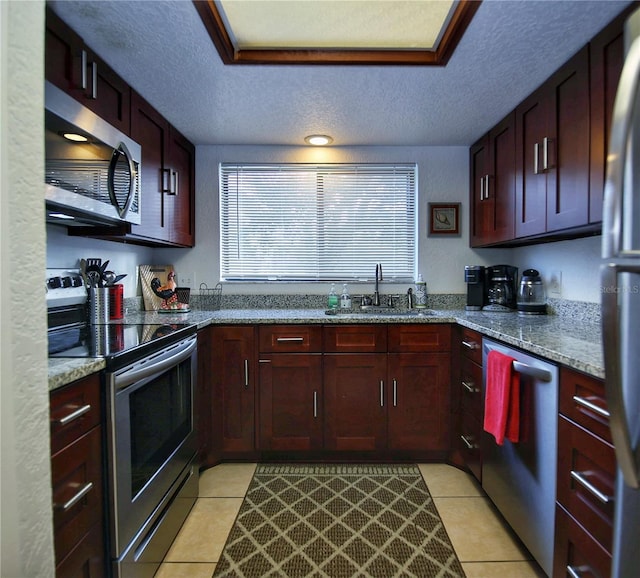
(577, 551)
(419, 412)
(290, 402)
(233, 382)
(355, 394)
(77, 479)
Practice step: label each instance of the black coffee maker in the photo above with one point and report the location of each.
(474, 277)
(501, 293)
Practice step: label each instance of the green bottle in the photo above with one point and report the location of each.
(332, 300)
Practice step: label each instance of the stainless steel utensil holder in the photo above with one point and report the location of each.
(98, 305)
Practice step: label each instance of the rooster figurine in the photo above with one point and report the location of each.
(166, 292)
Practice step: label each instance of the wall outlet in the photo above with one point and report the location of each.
(555, 284)
(187, 280)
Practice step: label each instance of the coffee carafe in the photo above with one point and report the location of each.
(532, 298)
(501, 288)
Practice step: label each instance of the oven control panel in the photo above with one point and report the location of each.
(64, 287)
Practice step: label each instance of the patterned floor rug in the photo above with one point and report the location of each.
(338, 521)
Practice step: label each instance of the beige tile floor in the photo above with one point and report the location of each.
(485, 546)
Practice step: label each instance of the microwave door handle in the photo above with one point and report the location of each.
(121, 151)
(623, 113)
(618, 422)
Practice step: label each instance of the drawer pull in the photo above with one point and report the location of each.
(470, 386)
(471, 344)
(579, 477)
(289, 339)
(246, 374)
(470, 445)
(74, 414)
(576, 571)
(315, 404)
(82, 492)
(584, 402)
(381, 393)
(395, 393)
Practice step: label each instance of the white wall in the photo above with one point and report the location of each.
(442, 177)
(577, 261)
(64, 251)
(26, 520)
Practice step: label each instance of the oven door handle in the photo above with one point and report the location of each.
(182, 351)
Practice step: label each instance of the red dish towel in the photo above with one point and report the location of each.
(502, 398)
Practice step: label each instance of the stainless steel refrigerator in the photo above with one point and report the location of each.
(621, 303)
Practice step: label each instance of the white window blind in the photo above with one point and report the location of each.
(317, 222)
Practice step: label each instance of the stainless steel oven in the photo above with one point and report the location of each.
(151, 447)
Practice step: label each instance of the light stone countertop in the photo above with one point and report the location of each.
(574, 342)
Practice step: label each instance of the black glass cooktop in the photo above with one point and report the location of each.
(109, 341)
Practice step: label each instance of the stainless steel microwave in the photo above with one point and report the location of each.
(92, 170)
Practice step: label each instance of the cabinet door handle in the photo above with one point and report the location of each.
(585, 402)
(94, 80)
(470, 386)
(545, 154)
(315, 404)
(470, 344)
(166, 180)
(576, 571)
(246, 374)
(289, 339)
(81, 493)
(74, 414)
(470, 445)
(536, 152)
(482, 188)
(582, 480)
(83, 70)
(381, 393)
(173, 189)
(486, 187)
(395, 393)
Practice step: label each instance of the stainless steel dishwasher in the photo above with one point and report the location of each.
(520, 478)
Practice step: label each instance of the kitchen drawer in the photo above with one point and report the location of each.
(471, 388)
(76, 478)
(355, 338)
(419, 338)
(290, 339)
(582, 399)
(575, 548)
(586, 477)
(75, 409)
(87, 559)
(471, 345)
(469, 443)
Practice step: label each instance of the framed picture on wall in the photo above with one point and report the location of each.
(444, 219)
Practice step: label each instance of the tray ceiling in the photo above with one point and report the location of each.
(389, 32)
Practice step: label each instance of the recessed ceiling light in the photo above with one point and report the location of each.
(75, 137)
(318, 140)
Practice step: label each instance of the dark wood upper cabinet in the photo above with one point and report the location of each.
(72, 66)
(607, 58)
(561, 143)
(168, 158)
(493, 185)
(552, 158)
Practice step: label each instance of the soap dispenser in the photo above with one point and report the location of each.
(420, 293)
(332, 299)
(345, 298)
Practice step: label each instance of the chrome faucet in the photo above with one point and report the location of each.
(376, 295)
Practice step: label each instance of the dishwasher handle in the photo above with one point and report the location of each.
(530, 370)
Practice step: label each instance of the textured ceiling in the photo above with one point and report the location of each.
(163, 50)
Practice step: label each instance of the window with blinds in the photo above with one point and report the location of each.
(317, 222)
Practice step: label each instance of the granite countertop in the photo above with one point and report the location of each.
(574, 342)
